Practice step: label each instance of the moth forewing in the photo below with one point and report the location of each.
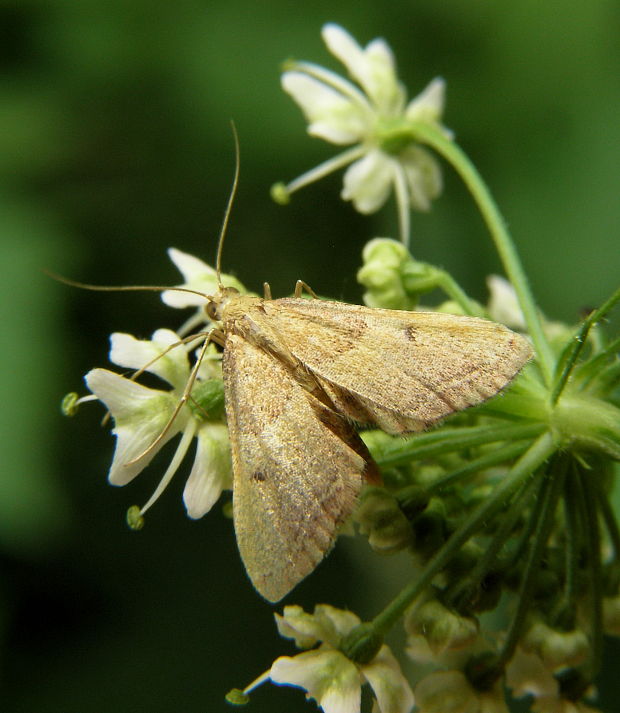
(399, 370)
(297, 373)
(295, 480)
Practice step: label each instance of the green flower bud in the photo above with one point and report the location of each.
(443, 629)
(207, 400)
(380, 517)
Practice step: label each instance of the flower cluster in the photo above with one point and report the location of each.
(146, 418)
(504, 510)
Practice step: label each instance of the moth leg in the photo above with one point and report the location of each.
(186, 395)
(217, 336)
(267, 291)
(300, 286)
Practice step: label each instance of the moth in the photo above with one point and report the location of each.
(299, 374)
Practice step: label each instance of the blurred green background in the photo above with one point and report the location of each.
(115, 144)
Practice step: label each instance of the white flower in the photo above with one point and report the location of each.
(199, 277)
(528, 675)
(557, 648)
(451, 692)
(141, 415)
(327, 674)
(443, 629)
(372, 114)
(503, 303)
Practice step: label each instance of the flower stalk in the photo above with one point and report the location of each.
(535, 456)
(499, 233)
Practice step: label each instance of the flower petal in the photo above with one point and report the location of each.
(300, 626)
(429, 104)
(140, 415)
(211, 472)
(197, 275)
(341, 621)
(503, 303)
(134, 353)
(526, 674)
(391, 688)
(423, 176)
(373, 67)
(331, 115)
(328, 677)
(367, 182)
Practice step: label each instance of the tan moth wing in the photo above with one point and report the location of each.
(295, 370)
(296, 478)
(400, 370)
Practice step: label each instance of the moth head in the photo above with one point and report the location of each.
(217, 304)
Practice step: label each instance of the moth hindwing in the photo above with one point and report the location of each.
(298, 373)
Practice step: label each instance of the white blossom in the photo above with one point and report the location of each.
(372, 114)
(326, 674)
(451, 692)
(142, 418)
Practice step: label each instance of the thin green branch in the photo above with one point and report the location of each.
(489, 558)
(595, 579)
(454, 291)
(609, 517)
(549, 495)
(592, 367)
(503, 242)
(448, 440)
(523, 469)
(574, 533)
(488, 460)
(574, 348)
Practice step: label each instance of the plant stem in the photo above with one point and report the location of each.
(497, 227)
(495, 457)
(549, 495)
(454, 291)
(595, 579)
(524, 468)
(569, 357)
(448, 440)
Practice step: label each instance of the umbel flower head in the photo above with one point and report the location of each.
(323, 670)
(145, 419)
(374, 116)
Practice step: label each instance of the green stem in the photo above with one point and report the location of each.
(574, 532)
(489, 558)
(450, 286)
(523, 469)
(549, 495)
(609, 517)
(597, 365)
(448, 440)
(569, 357)
(495, 223)
(495, 457)
(595, 579)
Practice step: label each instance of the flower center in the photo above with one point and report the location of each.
(393, 135)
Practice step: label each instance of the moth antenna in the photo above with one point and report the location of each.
(121, 288)
(231, 198)
(185, 340)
